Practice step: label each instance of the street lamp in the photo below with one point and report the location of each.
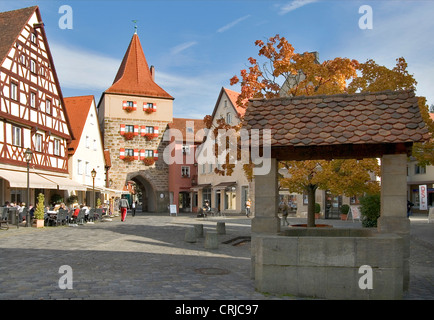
(28, 156)
(93, 173)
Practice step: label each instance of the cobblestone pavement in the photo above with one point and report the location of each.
(146, 257)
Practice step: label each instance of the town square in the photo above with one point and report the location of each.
(142, 160)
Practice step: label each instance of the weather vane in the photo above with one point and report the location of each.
(135, 26)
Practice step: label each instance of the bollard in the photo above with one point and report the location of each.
(211, 240)
(190, 235)
(221, 228)
(199, 230)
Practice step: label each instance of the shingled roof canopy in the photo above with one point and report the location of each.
(362, 125)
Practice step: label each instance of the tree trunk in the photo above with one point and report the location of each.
(311, 189)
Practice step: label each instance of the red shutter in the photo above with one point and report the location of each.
(142, 154)
(154, 106)
(135, 105)
(122, 129)
(155, 155)
(142, 130)
(136, 130)
(122, 153)
(136, 154)
(124, 104)
(156, 132)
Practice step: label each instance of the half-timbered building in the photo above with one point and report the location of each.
(32, 114)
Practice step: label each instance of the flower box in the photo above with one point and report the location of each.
(149, 161)
(129, 135)
(149, 136)
(128, 158)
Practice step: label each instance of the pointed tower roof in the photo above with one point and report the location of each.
(134, 76)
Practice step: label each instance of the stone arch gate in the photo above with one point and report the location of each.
(326, 263)
(154, 186)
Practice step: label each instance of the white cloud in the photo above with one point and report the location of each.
(181, 47)
(293, 5)
(232, 24)
(81, 69)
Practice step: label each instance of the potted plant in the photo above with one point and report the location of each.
(344, 211)
(149, 110)
(38, 215)
(317, 210)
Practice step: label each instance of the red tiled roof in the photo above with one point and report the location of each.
(77, 109)
(134, 76)
(11, 24)
(364, 118)
(233, 96)
(181, 124)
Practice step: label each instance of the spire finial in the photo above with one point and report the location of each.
(135, 26)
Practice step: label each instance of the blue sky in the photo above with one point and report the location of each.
(197, 46)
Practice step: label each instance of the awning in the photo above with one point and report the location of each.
(64, 183)
(18, 179)
(201, 186)
(224, 185)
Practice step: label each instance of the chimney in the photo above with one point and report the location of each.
(152, 69)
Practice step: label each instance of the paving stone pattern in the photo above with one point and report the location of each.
(146, 257)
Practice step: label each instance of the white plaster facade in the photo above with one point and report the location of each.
(227, 193)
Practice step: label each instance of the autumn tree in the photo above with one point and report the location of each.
(286, 73)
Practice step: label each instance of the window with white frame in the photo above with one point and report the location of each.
(56, 147)
(149, 153)
(87, 144)
(185, 171)
(16, 136)
(33, 66)
(79, 167)
(228, 118)
(14, 91)
(129, 128)
(38, 142)
(33, 37)
(48, 106)
(33, 99)
(186, 149)
(149, 129)
(419, 169)
(87, 168)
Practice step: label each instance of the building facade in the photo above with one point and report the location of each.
(187, 136)
(133, 114)
(227, 193)
(32, 113)
(86, 150)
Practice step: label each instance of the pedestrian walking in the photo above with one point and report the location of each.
(248, 204)
(283, 207)
(133, 208)
(409, 205)
(123, 205)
